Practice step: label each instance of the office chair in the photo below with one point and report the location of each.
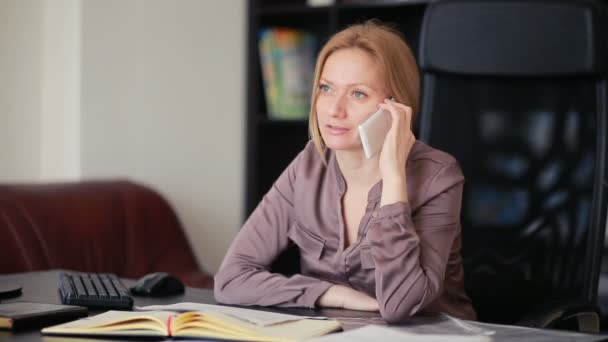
(516, 90)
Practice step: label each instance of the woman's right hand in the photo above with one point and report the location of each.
(340, 296)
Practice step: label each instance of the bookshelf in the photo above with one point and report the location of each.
(271, 143)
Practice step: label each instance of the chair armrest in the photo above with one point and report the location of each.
(568, 315)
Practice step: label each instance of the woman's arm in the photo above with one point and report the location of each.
(244, 276)
(340, 296)
(411, 253)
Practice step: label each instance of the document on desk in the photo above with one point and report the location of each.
(386, 334)
(208, 325)
(258, 317)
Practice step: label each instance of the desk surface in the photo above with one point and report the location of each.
(42, 287)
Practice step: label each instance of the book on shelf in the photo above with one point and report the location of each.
(210, 321)
(319, 3)
(287, 58)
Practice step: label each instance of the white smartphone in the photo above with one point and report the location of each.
(373, 131)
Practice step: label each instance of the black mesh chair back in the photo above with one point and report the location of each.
(516, 91)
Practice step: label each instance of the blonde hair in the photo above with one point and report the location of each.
(396, 60)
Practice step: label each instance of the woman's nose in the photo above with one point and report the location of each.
(337, 108)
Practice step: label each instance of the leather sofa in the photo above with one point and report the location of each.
(95, 226)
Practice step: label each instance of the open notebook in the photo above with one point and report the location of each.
(197, 324)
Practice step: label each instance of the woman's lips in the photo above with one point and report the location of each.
(336, 130)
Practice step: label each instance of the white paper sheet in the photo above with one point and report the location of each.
(385, 334)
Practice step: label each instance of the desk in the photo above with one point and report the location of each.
(42, 287)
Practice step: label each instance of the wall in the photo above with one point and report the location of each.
(151, 90)
(60, 106)
(20, 89)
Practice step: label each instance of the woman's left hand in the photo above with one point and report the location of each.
(395, 151)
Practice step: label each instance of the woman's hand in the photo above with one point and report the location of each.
(395, 151)
(339, 296)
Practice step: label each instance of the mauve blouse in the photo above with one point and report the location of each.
(407, 255)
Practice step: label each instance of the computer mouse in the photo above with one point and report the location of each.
(158, 284)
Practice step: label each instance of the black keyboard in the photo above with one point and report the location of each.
(94, 290)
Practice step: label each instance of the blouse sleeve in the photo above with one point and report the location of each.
(244, 277)
(411, 252)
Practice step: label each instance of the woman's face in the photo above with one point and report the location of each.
(350, 88)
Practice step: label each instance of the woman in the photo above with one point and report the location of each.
(373, 234)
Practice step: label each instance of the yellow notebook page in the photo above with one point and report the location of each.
(117, 322)
(220, 325)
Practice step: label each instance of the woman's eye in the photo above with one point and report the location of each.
(324, 88)
(359, 94)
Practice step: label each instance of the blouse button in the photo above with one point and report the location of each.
(375, 214)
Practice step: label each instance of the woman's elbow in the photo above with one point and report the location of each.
(398, 310)
(397, 315)
(222, 289)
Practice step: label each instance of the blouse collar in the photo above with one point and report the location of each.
(374, 193)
